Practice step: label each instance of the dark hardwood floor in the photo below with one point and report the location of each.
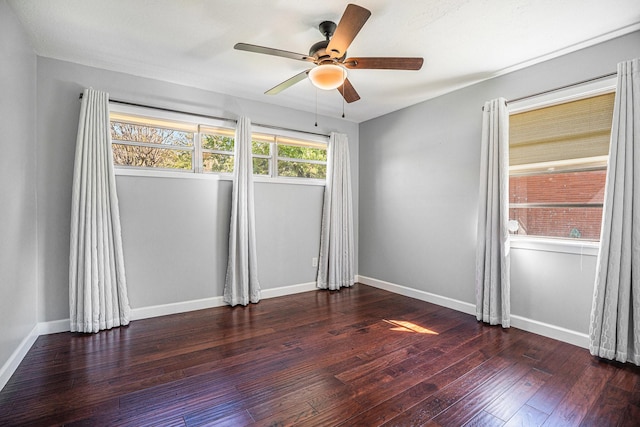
(361, 356)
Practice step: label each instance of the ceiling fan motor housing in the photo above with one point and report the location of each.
(319, 50)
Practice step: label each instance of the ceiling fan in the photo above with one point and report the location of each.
(330, 56)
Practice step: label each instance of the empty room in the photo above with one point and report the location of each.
(320, 213)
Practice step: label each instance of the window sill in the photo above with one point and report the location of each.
(285, 180)
(577, 247)
(213, 176)
(150, 173)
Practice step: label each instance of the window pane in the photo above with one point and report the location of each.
(260, 166)
(303, 153)
(569, 187)
(217, 142)
(568, 223)
(151, 135)
(584, 189)
(212, 162)
(301, 169)
(132, 155)
(263, 148)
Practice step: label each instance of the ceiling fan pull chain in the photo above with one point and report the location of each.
(343, 83)
(316, 107)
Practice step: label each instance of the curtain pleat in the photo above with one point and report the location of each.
(97, 283)
(492, 256)
(241, 284)
(614, 331)
(336, 261)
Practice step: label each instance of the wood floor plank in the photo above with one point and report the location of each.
(586, 390)
(630, 416)
(358, 357)
(440, 401)
(484, 419)
(507, 404)
(527, 417)
(399, 403)
(468, 406)
(610, 407)
(296, 402)
(570, 365)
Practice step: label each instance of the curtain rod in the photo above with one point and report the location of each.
(544, 92)
(604, 76)
(170, 110)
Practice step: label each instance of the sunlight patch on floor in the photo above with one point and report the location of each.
(405, 326)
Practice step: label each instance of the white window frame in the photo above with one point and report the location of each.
(587, 90)
(197, 172)
(273, 156)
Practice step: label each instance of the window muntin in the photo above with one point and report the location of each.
(143, 142)
(558, 159)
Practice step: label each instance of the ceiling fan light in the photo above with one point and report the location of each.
(327, 76)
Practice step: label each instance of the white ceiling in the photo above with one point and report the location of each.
(190, 42)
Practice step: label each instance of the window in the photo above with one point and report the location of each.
(557, 168)
(144, 142)
(217, 149)
(163, 144)
(282, 156)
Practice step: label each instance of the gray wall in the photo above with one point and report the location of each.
(419, 194)
(17, 184)
(175, 231)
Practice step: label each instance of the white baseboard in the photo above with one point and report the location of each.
(289, 290)
(540, 328)
(550, 331)
(16, 357)
(454, 304)
(200, 304)
(140, 313)
(175, 308)
(53, 327)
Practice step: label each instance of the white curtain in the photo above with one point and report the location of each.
(241, 285)
(336, 262)
(492, 256)
(97, 285)
(614, 332)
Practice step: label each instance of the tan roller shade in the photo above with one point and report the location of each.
(574, 130)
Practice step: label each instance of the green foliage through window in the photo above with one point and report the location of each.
(302, 153)
(217, 142)
(301, 169)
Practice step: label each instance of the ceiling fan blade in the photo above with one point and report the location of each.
(287, 83)
(384, 63)
(348, 92)
(352, 20)
(270, 51)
